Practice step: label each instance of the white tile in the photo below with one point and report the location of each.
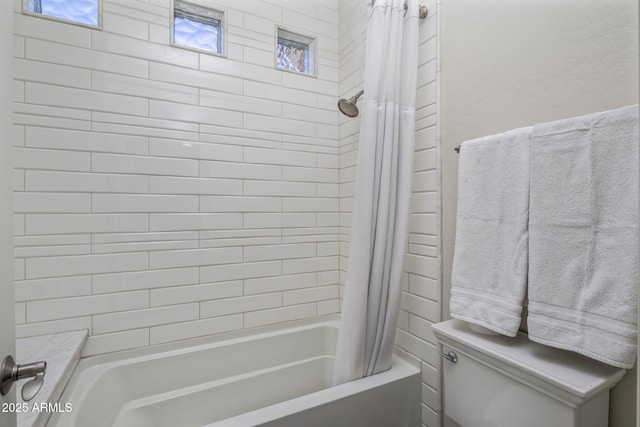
(85, 264)
(107, 343)
(203, 292)
(424, 202)
(143, 203)
(279, 188)
(153, 279)
(307, 265)
(422, 266)
(194, 221)
(127, 46)
(144, 246)
(279, 220)
(53, 327)
(38, 93)
(308, 204)
(419, 348)
(277, 315)
(29, 290)
(240, 305)
(199, 186)
(41, 137)
(328, 307)
(19, 269)
(195, 257)
(422, 328)
(219, 273)
(194, 150)
(298, 112)
(423, 287)
(241, 103)
(274, 124)
(143, 237)
(85, 223)
(239, 204)
(423, 223)
(18, 47)
(116, 163)
(29, 158)
(124, 25)
(114, 83)
(51, 30)
(279, 157)
(39, 311)
(191, 113)
(290, 173)
(85, 182)
(151, 126)
(69, 239)
(113, 322)
(43, 72)
(240, 170)
(267, 91)
(195, 78)
(52, 250)
(301, 296)
(198, 328)
(418, 306)
(18, 224)
(18, 180)
(272, 252)
(51, 202)
(279, 283)
(47, 51)
(20, 313)
(240, 69)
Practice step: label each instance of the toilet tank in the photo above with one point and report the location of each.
(499, 381)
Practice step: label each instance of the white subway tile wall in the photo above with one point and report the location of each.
(164, 194)
(420, 307)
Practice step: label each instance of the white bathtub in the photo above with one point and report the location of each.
(277, 376)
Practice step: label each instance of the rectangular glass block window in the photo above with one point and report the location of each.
(295, 52)
(80, 11)
(198, 27)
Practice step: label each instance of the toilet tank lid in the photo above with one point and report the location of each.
(569, 371)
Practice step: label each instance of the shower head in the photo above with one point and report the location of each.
(348, 106)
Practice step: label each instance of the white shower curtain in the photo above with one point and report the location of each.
(382, 193)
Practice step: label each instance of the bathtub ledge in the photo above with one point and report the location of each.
(61, 352)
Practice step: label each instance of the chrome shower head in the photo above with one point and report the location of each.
(348, 106)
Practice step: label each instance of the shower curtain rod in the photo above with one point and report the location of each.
(422, 9)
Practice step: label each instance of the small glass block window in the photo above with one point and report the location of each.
(80, 11)
(198, 27)
(295, 52)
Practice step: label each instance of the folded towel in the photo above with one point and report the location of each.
(489, 274)
(583, 235)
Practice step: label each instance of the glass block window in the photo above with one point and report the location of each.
(295, 52)
(85, 12)
(198, 27)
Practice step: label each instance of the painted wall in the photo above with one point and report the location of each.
(164, 194)
(512, 64)
(7, 330)
(420, 298)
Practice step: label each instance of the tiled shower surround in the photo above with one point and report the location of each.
(164, 194)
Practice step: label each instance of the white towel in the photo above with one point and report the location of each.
(583, 234)
(489, 274)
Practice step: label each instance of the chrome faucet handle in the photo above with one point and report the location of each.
(32, 387)
(10, 372)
